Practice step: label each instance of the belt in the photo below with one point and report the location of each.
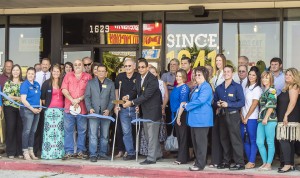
(232, 112)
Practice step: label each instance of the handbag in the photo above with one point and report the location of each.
(171, 144)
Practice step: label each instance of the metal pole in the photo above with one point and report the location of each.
(116, 124)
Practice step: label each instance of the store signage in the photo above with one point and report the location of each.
(188, 40)
(124, 38)
(31, 44)
(153, 28)
(251, 45)
(151, 53)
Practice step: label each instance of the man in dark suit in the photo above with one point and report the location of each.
(99, 94)
(149, 101)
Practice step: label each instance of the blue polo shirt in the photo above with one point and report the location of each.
(233, 95)
(32, 91)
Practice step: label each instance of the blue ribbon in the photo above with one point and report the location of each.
(149, 120)
(39, 106)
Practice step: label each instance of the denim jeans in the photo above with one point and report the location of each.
(266, 132)
(30, 122)
(250, 146)
(94, 124)
(69, 125)
(126, 116)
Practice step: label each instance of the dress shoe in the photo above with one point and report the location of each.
(195, 168)
(93, 159)
(292, 167)
(223, 166)
(129, 157)
(146, 162)
(104, 157)
(237, 167)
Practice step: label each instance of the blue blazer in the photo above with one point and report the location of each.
(200, 112)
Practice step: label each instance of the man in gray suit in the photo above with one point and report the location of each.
(99, 94)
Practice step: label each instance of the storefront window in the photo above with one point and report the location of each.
(197, 38)
(253, 33)
(291, 38)
(104, 28)
(152, 38)
(29, 39)
(2, 42)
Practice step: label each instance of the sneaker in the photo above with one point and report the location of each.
(67, 156)
(11, 157)
(20, 156)
(82, 155)
(129, 157)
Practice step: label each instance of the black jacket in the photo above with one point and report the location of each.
(149, 97)
(47, 92)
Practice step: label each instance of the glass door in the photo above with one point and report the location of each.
(72, 54)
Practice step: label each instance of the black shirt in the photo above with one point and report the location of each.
(283, 101)
(127, 84)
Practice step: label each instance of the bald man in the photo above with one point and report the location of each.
(73, 88)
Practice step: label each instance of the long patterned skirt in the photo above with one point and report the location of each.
(53, 136)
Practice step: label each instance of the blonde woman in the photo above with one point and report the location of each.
(288, 112)
(267, 121)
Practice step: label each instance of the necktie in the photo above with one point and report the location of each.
(241, 81)
(44, 77)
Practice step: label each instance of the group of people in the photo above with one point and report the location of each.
(242, 111)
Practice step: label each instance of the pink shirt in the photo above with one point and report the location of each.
(76, 88)
(57, 99)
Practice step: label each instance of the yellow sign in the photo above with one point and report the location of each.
(125, 38)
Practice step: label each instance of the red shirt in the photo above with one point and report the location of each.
(76, 88)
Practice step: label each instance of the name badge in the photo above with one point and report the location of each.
(196, 90)
(230, 95)
(30, 88)
(103, 86)
(143, 88)
(49, 91)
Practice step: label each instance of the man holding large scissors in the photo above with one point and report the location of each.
(127, 80)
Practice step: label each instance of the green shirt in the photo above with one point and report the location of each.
(11, 89)
(268, 100)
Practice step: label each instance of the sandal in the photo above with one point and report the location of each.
(119, 155)
(176, 163)
(250, 165)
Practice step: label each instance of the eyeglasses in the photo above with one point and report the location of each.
(141, 67)
(127, 66)
(87, 64)
(242, 71)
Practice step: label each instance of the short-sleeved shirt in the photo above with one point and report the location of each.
(127, 84)
(32, 92)
(251, 93)
(12, 89)
(279, 83)
(268, 100)
(76, 88)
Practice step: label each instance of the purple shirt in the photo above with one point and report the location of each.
(3, 79)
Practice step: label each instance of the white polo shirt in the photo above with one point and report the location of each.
(251, 93)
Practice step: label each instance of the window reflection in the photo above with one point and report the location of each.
(2, 42)
(291, 38)
(251, 33)
(29, 39)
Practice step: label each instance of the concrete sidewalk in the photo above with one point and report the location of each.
(118, 167)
